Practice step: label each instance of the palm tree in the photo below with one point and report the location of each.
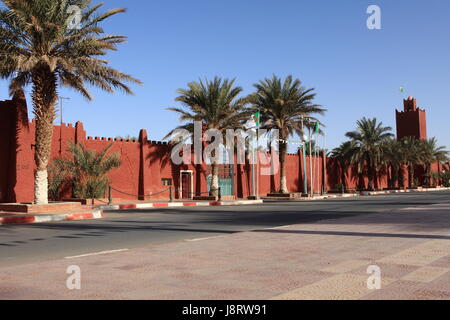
(411, 147)
(85, 170)
(216, 105)
(430, 153)
(369, 138)
(41, 46)
(393, 157)
(343, 155)
(283, 106)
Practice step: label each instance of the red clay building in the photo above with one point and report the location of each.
(146, 167)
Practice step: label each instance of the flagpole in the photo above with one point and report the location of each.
(253, 169)
(325, 157)
(257, 154)
(305, 178)
(311, 181)
(318, 162)
(318, 170)
(254, 166)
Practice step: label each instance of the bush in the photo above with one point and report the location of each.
(446, 179)
(84, 171)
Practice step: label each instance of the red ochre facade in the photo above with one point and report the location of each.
(145, 163)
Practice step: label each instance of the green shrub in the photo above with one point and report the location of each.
(84, 171)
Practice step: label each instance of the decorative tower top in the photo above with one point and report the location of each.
(412, 122)
(410, 104)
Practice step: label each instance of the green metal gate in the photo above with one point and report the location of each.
(226, 174)
(225, 185)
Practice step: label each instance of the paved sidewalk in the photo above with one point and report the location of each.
(322, 260)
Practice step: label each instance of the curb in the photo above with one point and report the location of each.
(97, 214)
(316, 198)
(178, 204)
(252, 202)
(376, 193)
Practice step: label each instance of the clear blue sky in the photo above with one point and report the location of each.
(356, 72)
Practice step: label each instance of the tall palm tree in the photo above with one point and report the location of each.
(393, 158)
(430, 153)
(85, 170)
(343, 155)
(283, 106)
(41, 46)
(411, 149)
(369, 138)
(216, 104)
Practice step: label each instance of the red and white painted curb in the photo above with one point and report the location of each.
(178, 204)
(18, 219)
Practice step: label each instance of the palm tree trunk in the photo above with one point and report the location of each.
(283, 180)
(411, 175)
(214, 188)
(427, 170)
(44, 98)
(395, 177)
(370, 174)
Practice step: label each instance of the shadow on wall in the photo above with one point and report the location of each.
(14, 126)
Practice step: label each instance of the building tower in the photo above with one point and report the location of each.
(412, 122)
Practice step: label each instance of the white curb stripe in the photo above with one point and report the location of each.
(177, 204)
(144, 205)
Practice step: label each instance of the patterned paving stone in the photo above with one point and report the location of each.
(420, 255)
(346, 266)
(338, 287)
(426, 274)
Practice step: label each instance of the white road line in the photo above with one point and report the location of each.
(201, 239)
(277, 228)
(97, 253)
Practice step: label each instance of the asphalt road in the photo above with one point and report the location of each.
(38, 242)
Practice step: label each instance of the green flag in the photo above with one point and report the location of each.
(316, 127)
(257, 118)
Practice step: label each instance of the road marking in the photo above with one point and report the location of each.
(201, 239)
(278, 228)
(97, 253)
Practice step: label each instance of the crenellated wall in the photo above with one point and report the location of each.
(145, 163)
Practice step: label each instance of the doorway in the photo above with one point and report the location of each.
(186, 185)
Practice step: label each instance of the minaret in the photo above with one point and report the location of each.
(412, 122)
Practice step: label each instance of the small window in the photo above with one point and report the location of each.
(166, 182)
